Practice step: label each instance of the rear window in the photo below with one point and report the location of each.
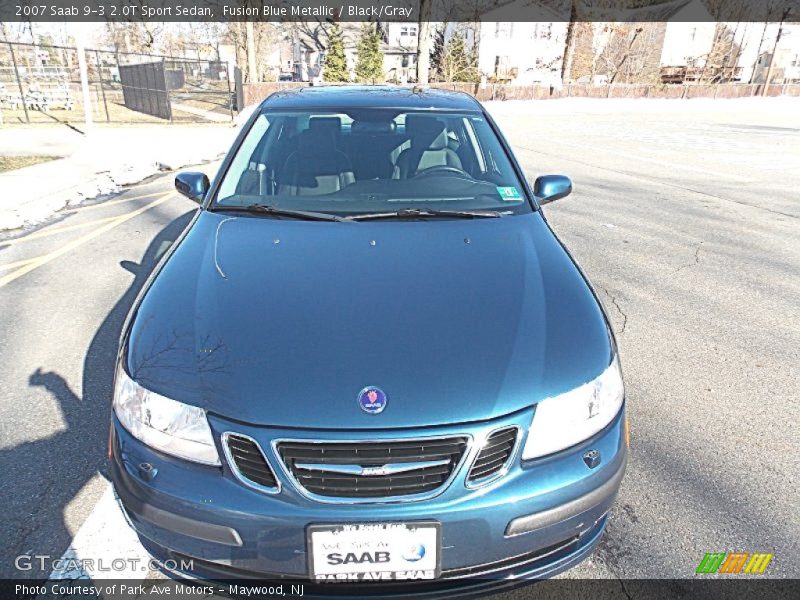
(372, 160)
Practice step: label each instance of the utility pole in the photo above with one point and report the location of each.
(765, 89)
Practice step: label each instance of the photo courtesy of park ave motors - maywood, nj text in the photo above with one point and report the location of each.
(375, 299)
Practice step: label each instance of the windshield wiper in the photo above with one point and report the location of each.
(268, 209)
(423, 213)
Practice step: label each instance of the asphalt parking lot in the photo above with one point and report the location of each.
(685, 217)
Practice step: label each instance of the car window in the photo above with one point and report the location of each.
(371, 160)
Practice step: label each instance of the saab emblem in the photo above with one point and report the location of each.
(372, 400)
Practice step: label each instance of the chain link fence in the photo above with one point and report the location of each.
(41, 84)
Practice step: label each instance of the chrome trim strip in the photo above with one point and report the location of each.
(388, 499)
(235, 470)
(506, 466)
(376, 471)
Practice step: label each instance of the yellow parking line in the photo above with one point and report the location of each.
(110, 203)
(46, 258)
(69, 227)
(54, 230)
(18, 263)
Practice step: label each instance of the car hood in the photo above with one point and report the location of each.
(284, 322)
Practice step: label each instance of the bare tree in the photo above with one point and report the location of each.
(721, 61)
(252, 65)
(264, 36)
(138, 37)
(572, 33)
(625, 51)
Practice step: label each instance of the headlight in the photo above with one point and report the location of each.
(164, 424)
(570, 418)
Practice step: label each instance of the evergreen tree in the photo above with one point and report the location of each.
(460, 63)
(438, 53)
(335, 60)
(369, 64)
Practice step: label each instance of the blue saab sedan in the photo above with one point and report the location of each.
(368, 358)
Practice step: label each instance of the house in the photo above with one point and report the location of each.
(687, 44)
(522, 52)
(786, 62)
(399, 47)
(400, 51)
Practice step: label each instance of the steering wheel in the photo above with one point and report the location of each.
(440, 170)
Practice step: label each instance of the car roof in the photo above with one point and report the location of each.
(344, 97)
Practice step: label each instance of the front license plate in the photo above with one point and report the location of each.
(374, 551)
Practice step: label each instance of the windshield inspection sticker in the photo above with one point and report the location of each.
(509, 194)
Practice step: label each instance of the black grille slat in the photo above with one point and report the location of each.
(372, 454)
(493, 448)
(371, 482)
(367, 484)
(261, 479)
(248, 453)
(488, 454)
(494, 454)
(485, 471)
(243, 461)
(249, 461)
(252, 471)
(497, 443)
(500, 442)
(489, 465)
(245, 451)
(364, 488)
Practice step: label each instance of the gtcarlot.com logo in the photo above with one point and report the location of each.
(734, 563)
(46, 563)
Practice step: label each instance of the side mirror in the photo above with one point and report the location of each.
(551, 187)
(192, 184)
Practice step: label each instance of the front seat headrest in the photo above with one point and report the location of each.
(426, 132)
(330, 125)
(316, 142)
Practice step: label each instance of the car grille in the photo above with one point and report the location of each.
(248, 463)
(372, 469)
(494, 455)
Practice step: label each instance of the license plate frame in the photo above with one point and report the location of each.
(421, 530)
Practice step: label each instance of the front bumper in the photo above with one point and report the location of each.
(540, 518)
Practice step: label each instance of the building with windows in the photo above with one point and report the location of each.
(786, 61)
(399, 47)
(400, 51)
(522, 52)
(687, 43)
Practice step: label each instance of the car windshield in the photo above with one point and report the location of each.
(370, 162)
